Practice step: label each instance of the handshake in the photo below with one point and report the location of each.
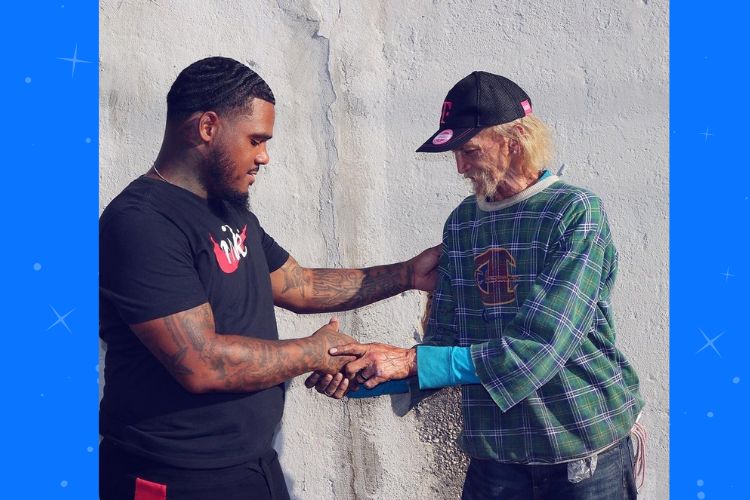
(346, 364)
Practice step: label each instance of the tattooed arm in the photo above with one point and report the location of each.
(305, 290)
(202, 361)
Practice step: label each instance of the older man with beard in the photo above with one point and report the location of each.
(188, 281)
(521, 317)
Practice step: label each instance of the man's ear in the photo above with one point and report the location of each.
(514, 147)
(208, 125)
(519, 130)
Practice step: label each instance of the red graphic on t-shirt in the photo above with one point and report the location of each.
(230, 250)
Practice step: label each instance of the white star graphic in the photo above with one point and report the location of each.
(709, 342)
(60, 319)
(73, 60)
(727, 275)
(705, 134)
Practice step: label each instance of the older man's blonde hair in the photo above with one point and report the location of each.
(535, 139)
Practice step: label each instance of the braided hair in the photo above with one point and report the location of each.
(217, 84)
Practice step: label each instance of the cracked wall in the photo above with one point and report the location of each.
(358, 88)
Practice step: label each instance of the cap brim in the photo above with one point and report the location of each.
(459, 137)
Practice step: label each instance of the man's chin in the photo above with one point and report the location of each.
(479, 189)
(239, 200)
(235, 198)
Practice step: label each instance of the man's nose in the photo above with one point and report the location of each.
(262, 158)
(461, 165)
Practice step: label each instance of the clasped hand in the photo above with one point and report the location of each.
(374, 364)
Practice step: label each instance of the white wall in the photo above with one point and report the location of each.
(359, 86)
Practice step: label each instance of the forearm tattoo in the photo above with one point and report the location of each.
(330, 290)
(188, 346)
(294, 279)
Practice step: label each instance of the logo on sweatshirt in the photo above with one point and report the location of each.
(493, 273)
(231, 249)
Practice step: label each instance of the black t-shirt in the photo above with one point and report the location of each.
(162, 250)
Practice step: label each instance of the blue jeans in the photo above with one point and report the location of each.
(612, 479)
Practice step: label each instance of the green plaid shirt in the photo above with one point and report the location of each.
(526, 283)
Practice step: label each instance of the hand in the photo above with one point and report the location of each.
(423, 269)
(334, 386)
(377, 363)
(327, 337)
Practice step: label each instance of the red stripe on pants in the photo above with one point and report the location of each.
(146, 490)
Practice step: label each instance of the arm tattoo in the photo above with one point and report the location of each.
(329, 290)
(189, 348)
(343, 289)
(174, 362)
(294, 278)
(264, 364)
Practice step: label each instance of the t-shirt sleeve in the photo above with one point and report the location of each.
(146, 266)
(276, 256)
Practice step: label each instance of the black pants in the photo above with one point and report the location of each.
(612, 479)
(123, 476)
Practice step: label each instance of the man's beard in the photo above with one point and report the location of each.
(217, 180)
(483, 183)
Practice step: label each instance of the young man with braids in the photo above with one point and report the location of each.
(188, 279)
(521, 316)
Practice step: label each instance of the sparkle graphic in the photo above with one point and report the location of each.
(727, 275)
(64, 483)
(61, 319)
(27, 79)
(705, 134)
(74, 60)
(90, 449)
(736, 380)
(37, 266)
(709, 342)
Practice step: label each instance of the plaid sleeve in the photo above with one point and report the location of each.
(441, 320)
(441, 329)
(557, 313)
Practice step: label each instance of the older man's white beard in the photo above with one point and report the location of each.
(483, 184)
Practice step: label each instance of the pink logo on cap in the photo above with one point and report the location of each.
(526, 107)
(447, 105)
(443, 137)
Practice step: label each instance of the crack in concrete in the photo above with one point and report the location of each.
(299, 13)
(326, 193)
(326, 212)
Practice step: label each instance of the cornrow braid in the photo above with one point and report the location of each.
(217, 84)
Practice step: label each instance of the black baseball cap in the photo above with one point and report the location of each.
(478, 101)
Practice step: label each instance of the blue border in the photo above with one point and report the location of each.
(49, 250)
(709, 239)
(49, 215)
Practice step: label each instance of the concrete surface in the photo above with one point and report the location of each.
(359, 86)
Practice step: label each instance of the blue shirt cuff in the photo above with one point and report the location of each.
(441, 366)
(392, 387)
